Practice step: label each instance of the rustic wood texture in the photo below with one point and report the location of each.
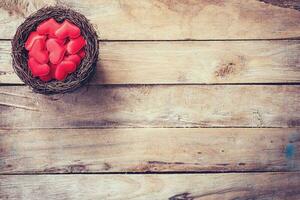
(187, 62)
(171, 20)
(224, 96)
(276, 186)
(145, 149)
(153, 106)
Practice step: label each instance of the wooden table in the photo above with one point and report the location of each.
(191, 100)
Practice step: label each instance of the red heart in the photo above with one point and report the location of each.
(46, 78)
(38, 69)
(56, 50)
(48, 27)
(74, 45)
(38, 51)
(53, 70)
(63, 69)
(67, 29)
(59, 41)
(31, 38)
(75, 58)
(50, 75)
(81, 53)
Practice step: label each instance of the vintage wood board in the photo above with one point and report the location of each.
(276, 186)
(191, 62)
(172, 20)
(191, 100)
(158, 106)
(149, 150)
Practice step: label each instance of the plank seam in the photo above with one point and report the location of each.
(196, 40)
(175, 84)
(146, 127)
(152, 172)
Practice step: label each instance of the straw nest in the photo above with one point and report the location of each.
(20, 55)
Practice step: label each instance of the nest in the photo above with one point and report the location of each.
(84, 71)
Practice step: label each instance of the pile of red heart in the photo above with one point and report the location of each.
(55, 50)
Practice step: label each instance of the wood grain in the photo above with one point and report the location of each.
(194, 62)
(146, 149)
(277, 186)
(171, 20)
(153, 106)
(131, 127)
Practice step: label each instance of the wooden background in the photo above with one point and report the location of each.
(192, 99)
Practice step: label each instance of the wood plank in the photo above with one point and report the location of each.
(146, 149)
(191, 62)
(166, 20)
(277, 186)
(153, 106)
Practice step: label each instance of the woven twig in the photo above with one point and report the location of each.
(20, 55)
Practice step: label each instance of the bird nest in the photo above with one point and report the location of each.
(83, 72)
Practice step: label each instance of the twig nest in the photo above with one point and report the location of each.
(55, 50)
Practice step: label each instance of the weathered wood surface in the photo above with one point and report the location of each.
(153, 106)
(145, 149)
(277, 186)
(187, 62)
(165, 19)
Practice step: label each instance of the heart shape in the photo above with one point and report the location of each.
(60, 41)
(50, 75)
(38, 51)
(63, 69)
(74, 58)
(48, 27)
(38, 69)
(56, 50)
(74, 45)
(81, 53)
(46, 78)
(67, 29)
(31, 38)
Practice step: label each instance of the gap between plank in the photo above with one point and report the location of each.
(195, 40)
(170, 84)
(134, 127)
(150, 172)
